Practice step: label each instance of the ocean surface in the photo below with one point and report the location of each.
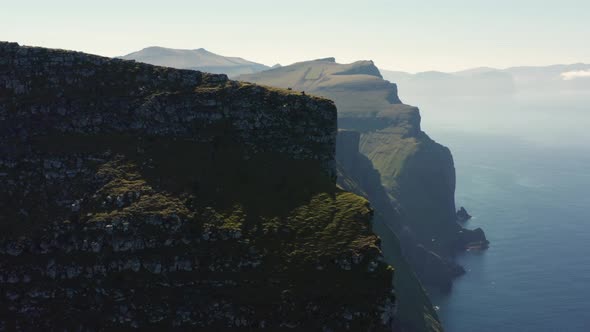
(523, 172)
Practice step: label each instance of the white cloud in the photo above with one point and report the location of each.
(572, 75)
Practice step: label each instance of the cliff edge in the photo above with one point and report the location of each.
(417, 173)
(136, 196)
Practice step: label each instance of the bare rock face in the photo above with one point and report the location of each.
(47, 92)
(135, 196)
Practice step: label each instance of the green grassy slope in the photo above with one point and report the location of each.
(357, 88)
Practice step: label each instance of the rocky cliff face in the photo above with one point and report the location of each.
(416, 173)
(357, 174)
(148, 197)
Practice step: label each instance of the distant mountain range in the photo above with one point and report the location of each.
(485, 81)
(199, 59)
(481, 81)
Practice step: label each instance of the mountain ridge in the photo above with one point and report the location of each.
(196, 59)
(487, 81)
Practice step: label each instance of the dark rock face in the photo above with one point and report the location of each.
(462, 215)
(134, 196)
(408, 177)
(49, 91)
(475, 239)
(433, 269)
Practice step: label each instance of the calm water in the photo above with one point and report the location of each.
(525, 177)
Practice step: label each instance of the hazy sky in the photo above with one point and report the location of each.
(404, 35)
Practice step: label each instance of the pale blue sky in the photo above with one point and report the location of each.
(399, 35)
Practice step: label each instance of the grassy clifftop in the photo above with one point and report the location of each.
(357, 88)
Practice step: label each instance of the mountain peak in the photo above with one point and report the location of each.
(362, 67)
(330, 59)
(195, 59)
(153, 49)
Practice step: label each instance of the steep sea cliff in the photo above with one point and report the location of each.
(416, 173)
(408, 177)
(136, 196)
(523, 175)
(357, 174)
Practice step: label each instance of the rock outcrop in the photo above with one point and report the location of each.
(462, 215)
(135, 196)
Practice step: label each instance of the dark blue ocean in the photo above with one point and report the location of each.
(523, 172)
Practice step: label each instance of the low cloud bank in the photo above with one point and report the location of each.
(572, 75)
